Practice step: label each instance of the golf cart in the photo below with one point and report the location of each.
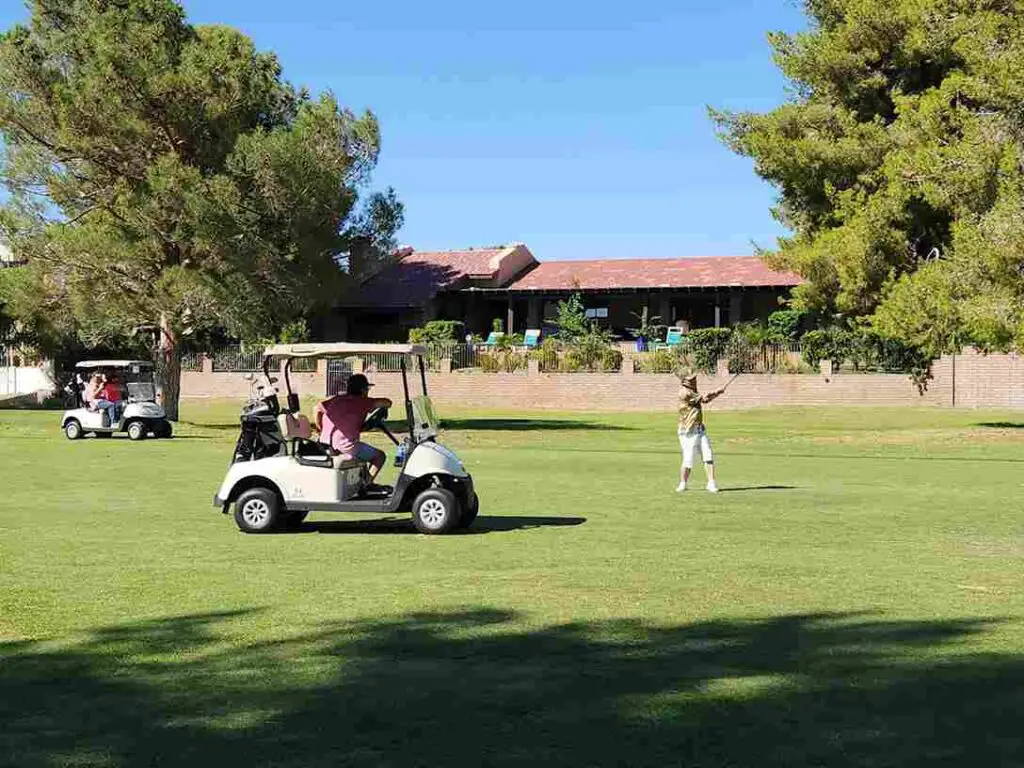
(140, 415)
(279, 473)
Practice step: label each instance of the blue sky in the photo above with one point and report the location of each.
(578, 128)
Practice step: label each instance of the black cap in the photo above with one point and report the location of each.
(357, 384)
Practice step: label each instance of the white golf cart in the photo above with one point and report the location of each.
(140, 415)
(279, 473)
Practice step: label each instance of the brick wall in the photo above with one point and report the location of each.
(971, 380)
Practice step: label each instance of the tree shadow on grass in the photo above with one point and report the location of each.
(403, 524)
(529, 425)
(476, 687)
(1000, 425)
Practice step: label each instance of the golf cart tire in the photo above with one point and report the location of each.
(436, 511)
(294, 520)
(137, 430)
(257, 510)
(469, 512)
(72, 430)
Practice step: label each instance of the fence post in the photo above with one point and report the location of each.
(825, 368)
(357, 365)
(533, 367)
(722, 368)
(207, 364)
(628, 365)
(444, 366)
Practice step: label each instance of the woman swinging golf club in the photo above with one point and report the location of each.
(692, 434)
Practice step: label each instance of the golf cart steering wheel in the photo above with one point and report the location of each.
(375, 419)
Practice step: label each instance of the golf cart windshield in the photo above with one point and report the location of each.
(425, 419)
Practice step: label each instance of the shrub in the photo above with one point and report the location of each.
(571, 319)
(438, 332)
(611, 360)
(659, 361)
(502, 361)
(546, 354)
(784, 325)
(572, 361)
(497, 325)
(833, 344)
(705, 346)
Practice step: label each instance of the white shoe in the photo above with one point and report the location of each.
(712, 488)
(681, 487)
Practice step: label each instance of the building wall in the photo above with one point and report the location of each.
(969, 380)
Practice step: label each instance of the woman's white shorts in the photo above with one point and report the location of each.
(693, 441)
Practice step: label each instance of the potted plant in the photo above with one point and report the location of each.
(646, 331)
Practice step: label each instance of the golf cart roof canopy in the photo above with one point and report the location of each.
(91, 364)
(340, 350)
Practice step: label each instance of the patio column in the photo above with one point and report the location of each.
(533, 318)
(665, 310)
(735, 308)
(510, 318)
(718, 314)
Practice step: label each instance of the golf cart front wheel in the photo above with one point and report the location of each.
(137, 430)
(257, 510)
(436, 510)
(72, 430)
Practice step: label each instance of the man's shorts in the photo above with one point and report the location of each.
(693, 441)
(366, 452)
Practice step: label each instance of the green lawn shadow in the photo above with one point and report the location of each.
(529, 425)
(478, 687)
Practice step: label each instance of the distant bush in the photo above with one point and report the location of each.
(704, 346)
(502, 360)
(833, 344)
(438, 332)
(546, 354)
(784, 325)
(659, 361)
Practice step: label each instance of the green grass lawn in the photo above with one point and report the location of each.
(853, 598)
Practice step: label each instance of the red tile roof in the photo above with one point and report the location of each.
(703, 272)
(417, 276)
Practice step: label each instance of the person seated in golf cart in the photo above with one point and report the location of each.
(94, 399)
(339, 421)
(112, 393)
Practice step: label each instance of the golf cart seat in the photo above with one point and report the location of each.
(295, 426)
(299, 433)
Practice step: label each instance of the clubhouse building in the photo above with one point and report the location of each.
(478, 285)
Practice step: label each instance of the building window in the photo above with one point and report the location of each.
(597, 313)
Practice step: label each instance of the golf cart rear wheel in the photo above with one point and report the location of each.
(436, 510)
(257, 510)
(137, 430)
(164, 429)
(469, 512)
(72, 430)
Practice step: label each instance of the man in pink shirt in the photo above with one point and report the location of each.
(339, 420)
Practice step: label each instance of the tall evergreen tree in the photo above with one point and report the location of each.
(899, 161)
(165, 176)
